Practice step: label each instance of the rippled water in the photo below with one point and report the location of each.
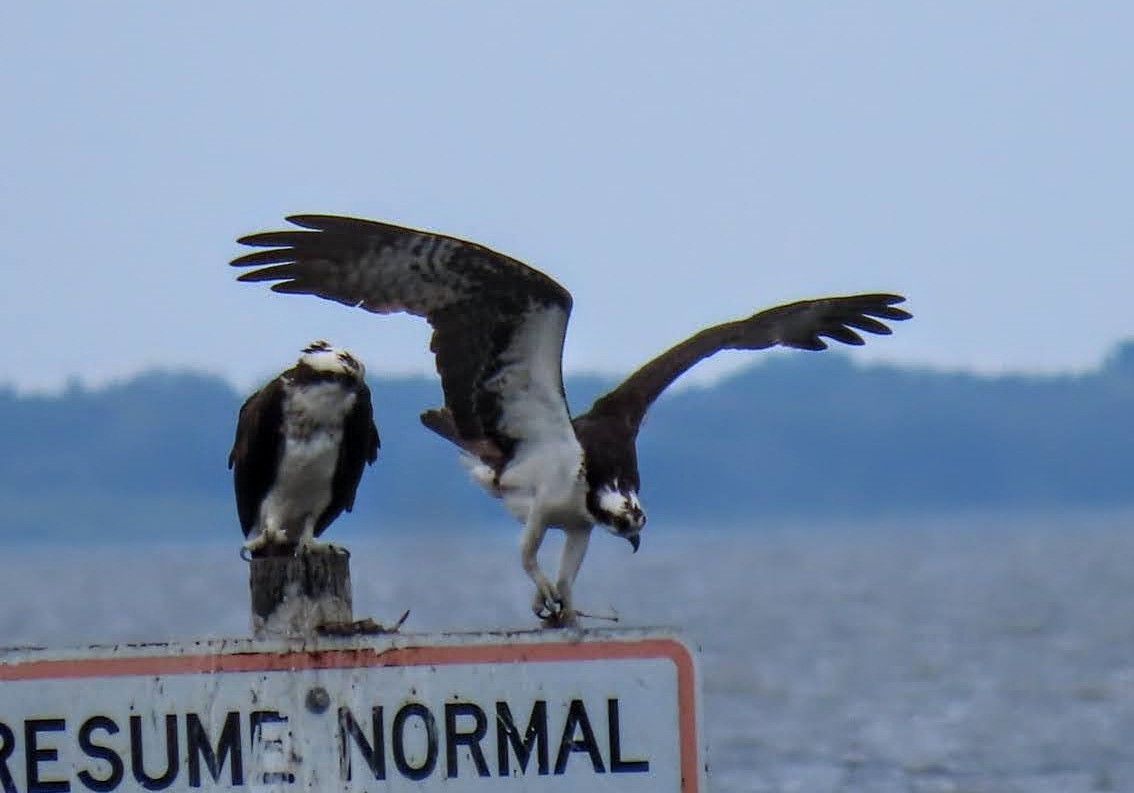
(964, 656)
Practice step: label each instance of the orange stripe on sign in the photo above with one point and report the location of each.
(394, 656)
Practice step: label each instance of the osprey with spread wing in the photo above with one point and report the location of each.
(498, 332)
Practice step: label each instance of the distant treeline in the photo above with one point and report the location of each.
(794, 436)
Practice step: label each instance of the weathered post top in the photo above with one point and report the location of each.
(297, 593)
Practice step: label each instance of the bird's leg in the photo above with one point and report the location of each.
(546, 602)
(269, 535)
(570, 560)
(307, 537)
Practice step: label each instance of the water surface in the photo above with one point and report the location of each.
(963, 656)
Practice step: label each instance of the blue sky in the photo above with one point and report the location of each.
(672, 164)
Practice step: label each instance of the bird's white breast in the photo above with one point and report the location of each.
(313, 427)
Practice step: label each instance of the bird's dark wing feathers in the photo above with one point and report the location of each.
(478, 301)
(256, 450)
(802, 325)
(440, 421)
(358, 449)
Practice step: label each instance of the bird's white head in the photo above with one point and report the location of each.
(322, 356)
(616, 507)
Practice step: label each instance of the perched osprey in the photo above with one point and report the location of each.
(302, 442)
(498, 331)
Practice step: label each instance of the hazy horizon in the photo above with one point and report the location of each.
(700, 376)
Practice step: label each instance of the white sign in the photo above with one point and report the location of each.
(543, 711)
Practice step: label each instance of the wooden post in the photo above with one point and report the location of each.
(294, 595)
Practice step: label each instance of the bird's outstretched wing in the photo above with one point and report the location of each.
(802, 325)
(498, 325)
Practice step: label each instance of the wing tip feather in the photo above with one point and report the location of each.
(264, 274)
(313, 220)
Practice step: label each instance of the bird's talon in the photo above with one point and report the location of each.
(249, 548)
(562, 617)
(547, 605)
(550, 609)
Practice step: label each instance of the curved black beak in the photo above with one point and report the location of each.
(634, 540)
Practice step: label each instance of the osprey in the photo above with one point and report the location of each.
(302, 442)
(498, 331)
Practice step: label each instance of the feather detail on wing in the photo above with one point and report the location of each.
(498, 325)
(802, 325)
(440, 421)
(256, 450)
